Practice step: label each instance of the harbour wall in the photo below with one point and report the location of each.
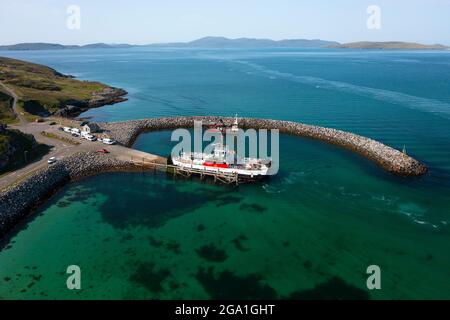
(387, 157)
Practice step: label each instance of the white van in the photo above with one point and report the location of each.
(90, 137)
(108, 141)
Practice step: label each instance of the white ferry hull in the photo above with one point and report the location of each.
(210, 169)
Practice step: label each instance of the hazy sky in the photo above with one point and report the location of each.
(148, 21)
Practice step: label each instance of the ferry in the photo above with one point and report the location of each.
(217, 161)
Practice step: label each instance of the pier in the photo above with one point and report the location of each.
(388, 158)
(217, 176)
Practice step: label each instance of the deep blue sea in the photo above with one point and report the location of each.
(313, 228)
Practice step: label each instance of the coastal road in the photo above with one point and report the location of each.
(19, 115)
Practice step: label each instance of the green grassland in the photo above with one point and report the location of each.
(41, 89)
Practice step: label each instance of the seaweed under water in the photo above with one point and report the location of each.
(333, 289)
(150, 277)
(227, 285)
(212, 253)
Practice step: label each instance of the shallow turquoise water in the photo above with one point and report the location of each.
(313, 228)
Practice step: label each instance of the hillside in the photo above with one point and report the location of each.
(55, 46)
(17, 148)
(222, 42)
(206, 42)
(394, 45)
(42, 91)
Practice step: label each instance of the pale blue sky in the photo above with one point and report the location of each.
(148, 21)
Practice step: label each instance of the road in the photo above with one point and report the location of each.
(19, 115)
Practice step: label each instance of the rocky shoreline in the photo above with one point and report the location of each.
(107, 96)
(19, 200)
(388, 158)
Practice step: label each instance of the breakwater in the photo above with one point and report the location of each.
(19, 200)
(387, 157)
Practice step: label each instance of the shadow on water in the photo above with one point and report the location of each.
(151, 278)
(153, 207)
(238, 242)
(227, 285)
(212, 253)
(252, 207)
(333, 289)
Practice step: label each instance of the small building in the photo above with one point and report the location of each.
(91, 128)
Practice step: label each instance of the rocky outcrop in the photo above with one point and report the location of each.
(389, 158)
(17, 201)
(107, 96)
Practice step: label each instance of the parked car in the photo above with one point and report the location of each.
(90, 137)
(76, 134)
(75, 130)
(61, 129)
(103, 151)
(67, 129)
(51, 160)
(108, 141)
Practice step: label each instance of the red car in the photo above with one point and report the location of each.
(103, 151)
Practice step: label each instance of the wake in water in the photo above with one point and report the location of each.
(436, 107)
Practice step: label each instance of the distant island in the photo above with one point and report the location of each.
(222, 43)
(207, 42)
(393, 45)
(55, 46)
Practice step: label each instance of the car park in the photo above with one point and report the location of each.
(76, 131)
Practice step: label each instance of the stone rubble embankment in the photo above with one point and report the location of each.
(387, 157)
